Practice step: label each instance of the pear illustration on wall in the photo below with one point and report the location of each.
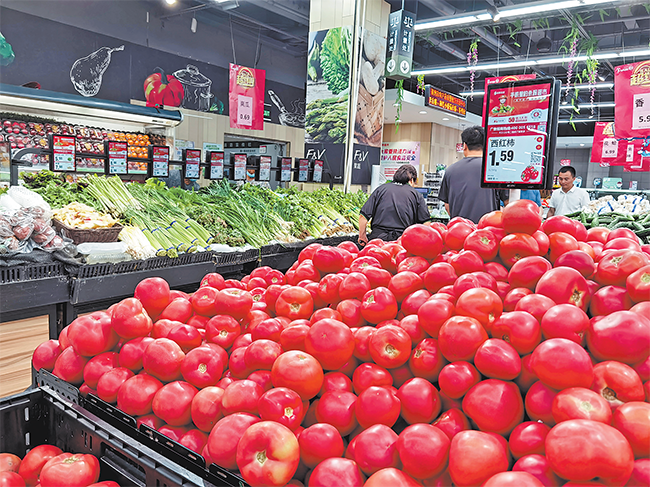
(86, 73)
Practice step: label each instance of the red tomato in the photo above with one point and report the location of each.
(622, 336)
(376, 448)
(293, 338)
(295, 303)
(559, 223)
(336, 471)
(474, 280)
(92, 334)
(474, 456)
(617, 383)
(69, 366)
(520, 329)
(594, 449)
(11, 479)
(136, 394)
(172, 403)
(98, 366)
(622, 243)
(225, 436)
(439, 275)
(451, 422)
(482, 304)
(413, 302)
(74, 470)
(561, 243)
(456, 235)
(179, 309)
(298, 371)
(598, 234)
(432, 315)
(153, 293)
(377, 277)
(214, 280)
(222, 330)
(109, 384)
(377, 405)
(565, 285)
(9, 462)
(336, 381)
(633, 420)
(539, 467)
(497, 359)
(33, 462)
(423, 450)
(495, 406)
(539, 403)
(350, 311)
(390, 476)
(390, 346)
(466, 261)
(370, 374)
(423, 241)
(203, 300)
(163, 359)
(308, 252)
(638, 284)
(262, 378)
(283, 406)
(521, 216)
(457, 378)
(580, 403)
(403, 284)
(516, 246)
(640, 473)
(419, 399)
(561, 363)
(379, 305)
(242, 396)
(338, 409)
(130, 320)
(206, 408)
(195, 440)
(608, 299)
(328, 260)
(617, 265)
(414, 264)
(578, 260)
(565, 321)
(513, 479)
(527, 439)
(513, 297)
(202, 367)
(361, 262)
(187, 337)
(320, 442)
(354, 286)
(45, 355)
(331, 342)
(460, 337)
(323, 313)
(261, 354)
(535, 304)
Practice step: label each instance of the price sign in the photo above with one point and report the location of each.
(520, 134)
(63, 153)
(192, 163)
(318, 171)
(160, 157)
(240, 166)
(285, 169)
(265, 168)
(641, 111)
(117, 153)
(610, 148)
(216, 165)
(245, 110)
(303, 170)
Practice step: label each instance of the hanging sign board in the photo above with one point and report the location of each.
(285, 169)
(401, 41)
(632, 95)
(520, 133)
(117, 153)
(192, 158)
(246, 97)
(317, 176)
(503, 79)
(215, 170)
(265, 168)
(240, 166)
(63, 153)
(447, 102)
(303, 170)
(160, 161)
(605, 147)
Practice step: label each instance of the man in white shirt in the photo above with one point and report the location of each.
(568, 198)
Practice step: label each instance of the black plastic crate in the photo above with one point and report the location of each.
(95, 270)
(200, 257)
(183, 259)
(157, 263)
(11, 274)
(30, 272)
(250, 255)
(228, 258)
(129, 266)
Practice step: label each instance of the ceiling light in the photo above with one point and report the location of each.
(494, 12)
(544, 45)
(193, 25)
(423, 112)
(448, 22)
(445, 119)
(582, 145)
(594, 105)
(538, 8)
(583, 120)
(641, 52)
(170, 2)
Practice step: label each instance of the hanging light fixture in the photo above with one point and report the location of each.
(544, 45)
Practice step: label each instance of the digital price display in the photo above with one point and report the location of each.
(318, 171)
(265, 168)
(520, 133)
(117, 154)
(240, 166)
(285, 169)
(63, 153)
(216, 165)
(192, 163)
(160, 158)
(303, 170)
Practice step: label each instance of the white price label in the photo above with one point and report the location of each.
(610, 148)
(245, 110)
(516, 159)
(641, 111)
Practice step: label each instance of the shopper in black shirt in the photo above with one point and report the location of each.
(393, 207)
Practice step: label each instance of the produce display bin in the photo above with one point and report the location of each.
(250, 255)
(54, 412)
(30, 272)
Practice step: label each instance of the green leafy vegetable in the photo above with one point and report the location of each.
(335, 58)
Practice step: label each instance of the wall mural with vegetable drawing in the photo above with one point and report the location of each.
(71, 60)
(369, 121)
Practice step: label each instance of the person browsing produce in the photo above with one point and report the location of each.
(393, 207)
(568, 198)
(461, 185)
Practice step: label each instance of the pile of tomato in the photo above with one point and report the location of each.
(512, 352)
(49, 466)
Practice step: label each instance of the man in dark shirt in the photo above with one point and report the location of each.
(393, 207)
(461, 185)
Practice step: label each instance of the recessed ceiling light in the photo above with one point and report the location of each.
(423, 112)
(170, 2)
(582, 145)
(445, 119)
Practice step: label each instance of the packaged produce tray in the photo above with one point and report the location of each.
(30, 272)
(59, 415)
(78, 235)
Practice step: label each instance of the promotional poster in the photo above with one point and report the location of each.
(605, 148)
(246, 97)
(516, 134)
(502, 79)
(632, 95)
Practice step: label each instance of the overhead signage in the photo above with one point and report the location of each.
(606, 149)
(117, 154)
(401, 40)
(160, 161)
(632, 95)
(503, 79)
(447, 102)
(246, 97)
(285, 169)
(520, 134)
(318, 171)
(63, 153)
(240, 166)
(192, 163)
(265, 168)
(303, 170)
(216, 165)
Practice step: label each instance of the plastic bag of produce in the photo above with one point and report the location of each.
(8, 203)
(28, 199)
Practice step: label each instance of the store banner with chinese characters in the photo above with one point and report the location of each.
(395, 154)
(246, 97)
(637, 156)
(502, 79)
(632, 95)
(447, 102)
(606, 149)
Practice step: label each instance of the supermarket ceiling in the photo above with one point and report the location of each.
(525, 37)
